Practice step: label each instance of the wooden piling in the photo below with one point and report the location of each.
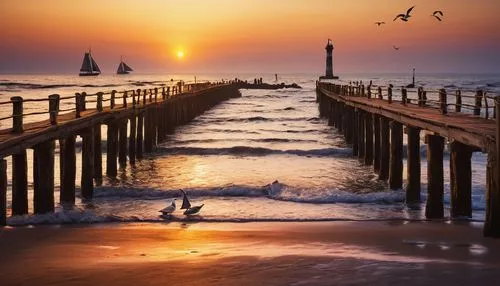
(460, 180)
(43, 177)
(413, 171)
(396, 157)
(131, 139)
(53, 108)
(87, 182)
(368, 139)
(17, 114)
(122, 149)
(435, 184)
(478, 102)
(19, 183)
(376, 146)
(458, 104)
(97, 155)
(355, 128)
(3, 192)
(111, 154)
(67, 162)
(492, 216)
(361, 135)
(140, 125)
(148, 136)
(443, 101)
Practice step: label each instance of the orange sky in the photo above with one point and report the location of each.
(249, 36)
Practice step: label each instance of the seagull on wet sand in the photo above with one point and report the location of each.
(438, 15)
(169, 209)
(379, 23)
(193, 210)
(404, 17)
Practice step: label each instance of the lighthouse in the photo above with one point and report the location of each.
(329, 61)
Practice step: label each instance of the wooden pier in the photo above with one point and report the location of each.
(372, 120)
(136, 120)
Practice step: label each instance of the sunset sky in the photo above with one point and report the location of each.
(249, 36)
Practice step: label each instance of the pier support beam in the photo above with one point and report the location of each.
(385, 150)
(3, 192)
(355, 127)
(435, 184)
(131, 139)
(43, 177)
(396, 157)
(19, 183)
(111, 150)
(361, 135)
(461, 180)
(148, 134)
(368, 139)
(122, 149)
(376, 143)
(492, 217)
(67, 162)
(140, 130)
(413, 171)
(87, 182)
(97, 155)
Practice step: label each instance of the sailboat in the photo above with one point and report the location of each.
(187, 205)
(123, 68)
(89, 66)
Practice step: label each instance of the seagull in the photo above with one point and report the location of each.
(438, 15)
(169, 209)
(404, 17)
(396, 48)
(193, 210)
(379, 23)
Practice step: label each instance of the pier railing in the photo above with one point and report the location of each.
(81, 101)
(479, 103)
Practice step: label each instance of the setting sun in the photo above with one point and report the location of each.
(180, 54)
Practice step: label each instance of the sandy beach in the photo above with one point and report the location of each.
(323, 253)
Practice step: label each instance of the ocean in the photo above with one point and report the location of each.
(227, 158)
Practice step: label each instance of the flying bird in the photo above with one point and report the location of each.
(438, 15)
(379, 23)
(169, 209)
(396, 48)
(404, 17)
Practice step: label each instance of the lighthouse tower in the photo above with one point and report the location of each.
(329, 61)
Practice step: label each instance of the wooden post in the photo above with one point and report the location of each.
(396, 157)
(419, 92)
(368, 139)
(83, 103)
(43, 177)
(125, 96)
(17, 114)
(97, 155)
(458, 105)
(492, 217)
(477, 105)
(369, 92)
(148, 140)
(112, 99)
(122, 151)
(376, 147)
(434, 205)
(3, 192)
(19, 183)
(413, 172)
(67, 162)
(78, 107)
(140, 125)
(389, 94)
(53, 108)
(111, 150)
(355, 128)
(361, 135)
(461, 180)
(443, 101)
(131, 139)
(404, 96)
(380, 93)
(100, 96)
(144, 94)
(87, 182)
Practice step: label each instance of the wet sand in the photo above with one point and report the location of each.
(307, 253)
